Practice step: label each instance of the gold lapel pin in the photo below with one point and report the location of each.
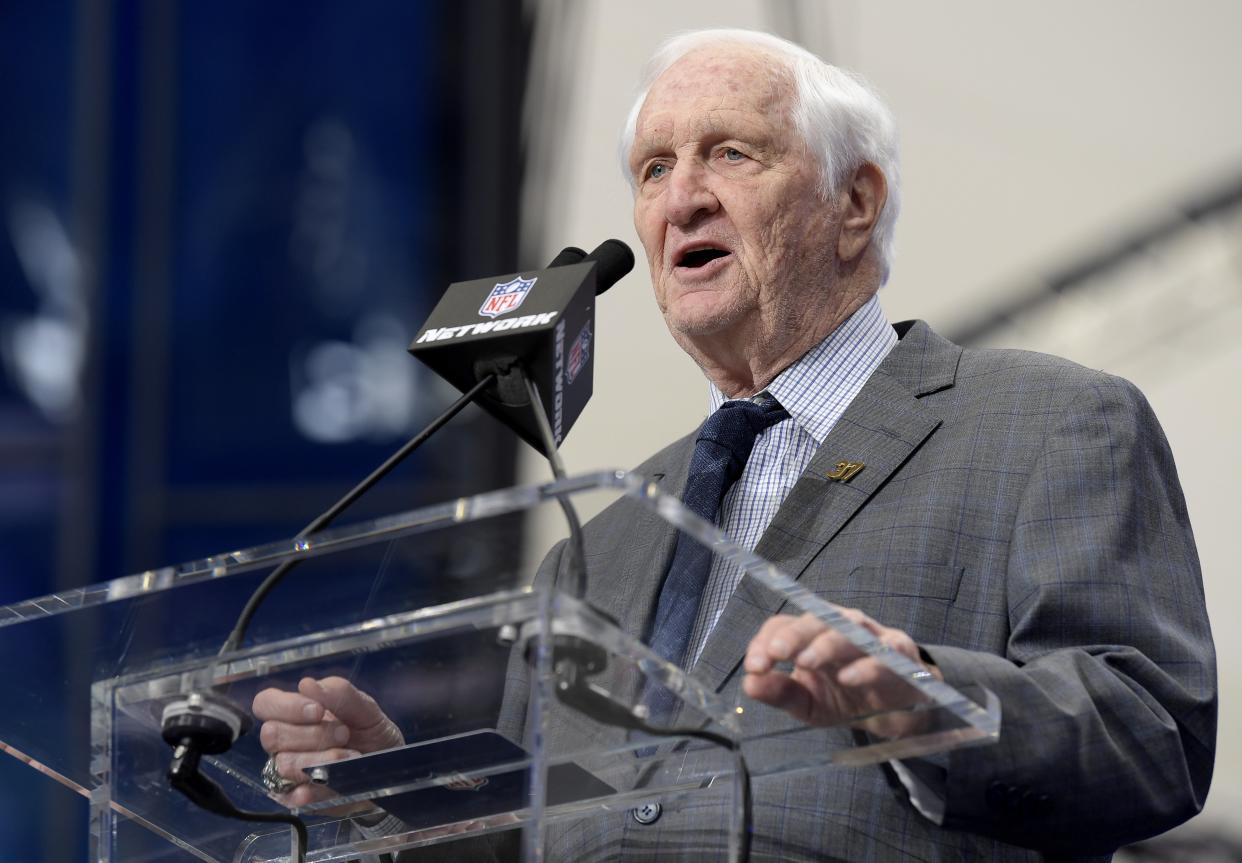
(845, 471)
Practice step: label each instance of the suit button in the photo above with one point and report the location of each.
(996, 796)
(648, 813)
(1038, 804)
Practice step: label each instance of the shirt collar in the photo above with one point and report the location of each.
(818, 387)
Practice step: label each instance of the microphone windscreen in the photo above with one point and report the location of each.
(613, 260)
(566, 256)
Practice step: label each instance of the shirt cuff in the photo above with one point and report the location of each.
(375, 825)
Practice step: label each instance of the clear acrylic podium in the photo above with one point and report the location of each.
(460, 651)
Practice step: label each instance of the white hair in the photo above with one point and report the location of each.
(840, 118)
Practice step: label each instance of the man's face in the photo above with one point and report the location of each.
(739, 242)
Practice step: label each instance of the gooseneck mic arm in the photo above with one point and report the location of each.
(577, 549)
(568, 255)
(208, 723)
(235, 638)
(184, 775)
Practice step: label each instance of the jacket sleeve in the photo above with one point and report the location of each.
(1108, 685)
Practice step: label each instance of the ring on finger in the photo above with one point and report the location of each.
(273, 781)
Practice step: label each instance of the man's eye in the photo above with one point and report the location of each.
(657, 171)
(734, 155)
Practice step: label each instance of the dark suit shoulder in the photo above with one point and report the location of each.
(991, 378)
(928, 361)
(1010, 363)
(1010, 406)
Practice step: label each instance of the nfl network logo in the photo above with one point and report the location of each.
(579, 353)
(507, 297)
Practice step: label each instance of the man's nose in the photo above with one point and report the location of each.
(689, 194)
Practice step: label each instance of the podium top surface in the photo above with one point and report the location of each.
(357, 577)
(426, 519)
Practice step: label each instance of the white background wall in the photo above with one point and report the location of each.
(1030, 133)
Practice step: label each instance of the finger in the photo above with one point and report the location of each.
(304, 795)
(827, 651)
(860, 618)
(781, 691)
(834, 648)
(865, 673)
(868, 673)
(292, 765)
(772, 624)
(284, 737)
(900, 641)
(779, 639)
(290, 707)
(897, 640)
(346, 702)
(884, 689)
(757, 660)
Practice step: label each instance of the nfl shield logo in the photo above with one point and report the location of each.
(579, 353)
(506, 297)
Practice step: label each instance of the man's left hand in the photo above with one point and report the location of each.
(831, 680)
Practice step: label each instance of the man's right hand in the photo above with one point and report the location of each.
(325, 720)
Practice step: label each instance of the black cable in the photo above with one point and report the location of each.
(256, 599)
(743, 770)
(184, 775)
(572, 687)
(577, 551)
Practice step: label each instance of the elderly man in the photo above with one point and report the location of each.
(1016, 521)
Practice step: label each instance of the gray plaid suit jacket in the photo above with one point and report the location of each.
(1020, 517)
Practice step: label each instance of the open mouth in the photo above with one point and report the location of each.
(696, 258)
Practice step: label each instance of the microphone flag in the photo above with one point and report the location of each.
(543, 319)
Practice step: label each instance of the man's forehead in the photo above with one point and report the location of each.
(662, 128)
(715, 86)
(737, 71)
(751, 64)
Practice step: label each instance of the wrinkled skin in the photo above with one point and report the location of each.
(717, 162)
(830, 680)
(324, 720)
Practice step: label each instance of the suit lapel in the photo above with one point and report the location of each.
(881, 428)
(631, 589)
(625, 575)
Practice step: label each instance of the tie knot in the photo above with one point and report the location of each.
(735, 425)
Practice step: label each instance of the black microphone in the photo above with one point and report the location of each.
(543, 320)
(566, 256)
(615, 260)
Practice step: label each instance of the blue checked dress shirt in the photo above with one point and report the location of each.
(815, 391)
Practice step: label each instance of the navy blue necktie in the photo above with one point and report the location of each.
(720, 455)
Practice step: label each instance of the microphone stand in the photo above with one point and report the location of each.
(208, 723)
(575, 659)
(328, 516)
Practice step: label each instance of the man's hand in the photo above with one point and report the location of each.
(325, 720)
(832, 680)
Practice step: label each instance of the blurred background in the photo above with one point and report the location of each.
(221, 223)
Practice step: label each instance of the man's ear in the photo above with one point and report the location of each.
(863, 202)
